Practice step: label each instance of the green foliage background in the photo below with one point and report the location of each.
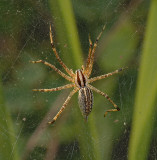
(129, 40)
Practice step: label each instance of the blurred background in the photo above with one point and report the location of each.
(24, 36)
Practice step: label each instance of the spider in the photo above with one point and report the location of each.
(80, 81)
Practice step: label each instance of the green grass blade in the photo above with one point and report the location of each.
(146, 92)
(69, 22)
(7, 137)
(66, 30)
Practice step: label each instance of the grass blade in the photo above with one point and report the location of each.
(146, 92)
(66, 30)
(7, 138)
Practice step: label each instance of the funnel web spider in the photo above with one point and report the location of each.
(80, 81)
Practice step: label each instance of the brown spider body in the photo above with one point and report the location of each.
(85, 96)
(80, 80)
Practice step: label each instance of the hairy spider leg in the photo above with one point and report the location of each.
(89, 54)
(55, 89)
(92, 54)
(107, 97)
(69, 71)
(64, 105)
(55, 69)
(105, 75)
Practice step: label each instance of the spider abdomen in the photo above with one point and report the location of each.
(85, 98)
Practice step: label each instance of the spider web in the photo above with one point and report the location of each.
(25, 37)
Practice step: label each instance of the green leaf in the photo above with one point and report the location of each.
(146, 92)
(8, 148)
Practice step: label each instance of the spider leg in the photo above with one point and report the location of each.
(93, 51)
(108, 98)
(69, 71)
(105, 75)
(64, 105)
(55, 69)
(89, 54)
(55, 89)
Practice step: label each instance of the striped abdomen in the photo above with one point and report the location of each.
(85, 98)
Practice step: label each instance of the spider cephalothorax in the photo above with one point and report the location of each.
(80, 81)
